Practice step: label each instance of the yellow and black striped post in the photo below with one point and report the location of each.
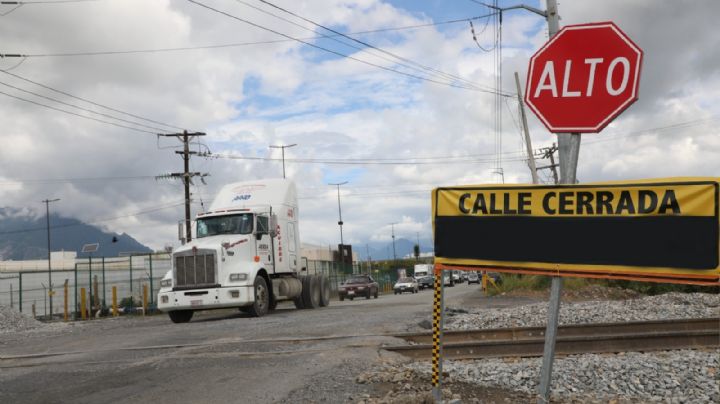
(437, 324)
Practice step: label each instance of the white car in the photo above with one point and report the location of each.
(406, 284)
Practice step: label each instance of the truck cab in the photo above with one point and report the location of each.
(245, 255)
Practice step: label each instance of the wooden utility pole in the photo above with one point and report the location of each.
(549, 153)
(526, 132)
(186, 175)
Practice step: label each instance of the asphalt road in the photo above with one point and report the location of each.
(220, 356)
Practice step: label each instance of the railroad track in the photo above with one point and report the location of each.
(572, 339)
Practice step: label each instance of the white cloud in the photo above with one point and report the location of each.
(249, 97)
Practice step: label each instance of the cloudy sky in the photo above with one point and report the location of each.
(415, 111)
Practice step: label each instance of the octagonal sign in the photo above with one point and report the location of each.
(583, 77)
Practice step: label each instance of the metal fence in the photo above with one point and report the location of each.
(27, 290)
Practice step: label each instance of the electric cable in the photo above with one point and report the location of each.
(65, 93)
(332, 51)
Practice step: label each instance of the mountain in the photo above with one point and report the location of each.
(24, 237)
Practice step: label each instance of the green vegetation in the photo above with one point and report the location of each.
(512, 282)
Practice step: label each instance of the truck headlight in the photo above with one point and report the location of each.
(238, 277)
(166, 283)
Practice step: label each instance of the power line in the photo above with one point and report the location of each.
(234, 44)
(412, 64)
(332, 51)
(357, 162)
(76, 114)
(89, 101)
(46, 2)
(80, 108)
(19, 4)
(680, 125)
(75, 180)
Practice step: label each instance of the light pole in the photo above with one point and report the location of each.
(283, 147)
(47, 216)
(341, 252)
(340, 221)
(393, 240)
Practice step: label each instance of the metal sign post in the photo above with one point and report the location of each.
(438, 325)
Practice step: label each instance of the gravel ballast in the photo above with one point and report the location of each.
(662, 307)
(682, 376)
(12, 320)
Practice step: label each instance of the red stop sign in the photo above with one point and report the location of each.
(583, 77)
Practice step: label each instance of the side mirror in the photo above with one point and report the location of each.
(273, 225)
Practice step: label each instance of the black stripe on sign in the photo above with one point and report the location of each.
(689, 242)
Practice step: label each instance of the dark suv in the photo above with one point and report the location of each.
(358, 285)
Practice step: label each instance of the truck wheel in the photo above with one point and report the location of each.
(299, 302)
(261, 305)
(310, 292)
(315, 291)
(368, 294)
(180, 316)
(324, 291)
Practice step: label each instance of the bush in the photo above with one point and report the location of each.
(127, 302)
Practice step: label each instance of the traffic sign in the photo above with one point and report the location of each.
(660, 230)
(583, 77)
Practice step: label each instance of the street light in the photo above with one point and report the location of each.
(47, 212)
(340, 221)
(393, 240)
(283, 147)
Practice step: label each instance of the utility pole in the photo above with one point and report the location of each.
(283, 147)
(369, 259)
(528, 142)
(569, 150)
(549, 153)
(186, 175)
(47, 217)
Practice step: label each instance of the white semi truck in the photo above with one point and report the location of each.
(246, 254)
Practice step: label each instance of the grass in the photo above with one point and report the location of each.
(517, 282)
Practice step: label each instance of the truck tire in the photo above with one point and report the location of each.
(299, 302)
(261, 305)
(324, 291)
(311, 292)
(180, 316)
(368, 294)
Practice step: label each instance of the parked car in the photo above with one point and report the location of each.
(426, 282)
(457, 276)
(406, 284)
(473, 277)
(358, 285)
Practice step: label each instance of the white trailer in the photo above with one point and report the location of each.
(246, 254)
(422, 270)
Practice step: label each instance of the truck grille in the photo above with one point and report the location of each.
(195, 270)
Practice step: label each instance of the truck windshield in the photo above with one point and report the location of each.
(233, 224)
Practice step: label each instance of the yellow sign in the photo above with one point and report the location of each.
(658, 230)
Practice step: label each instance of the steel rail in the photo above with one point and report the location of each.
(571, 330)
(594, 338)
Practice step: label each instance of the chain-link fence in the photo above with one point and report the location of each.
(28, 291)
